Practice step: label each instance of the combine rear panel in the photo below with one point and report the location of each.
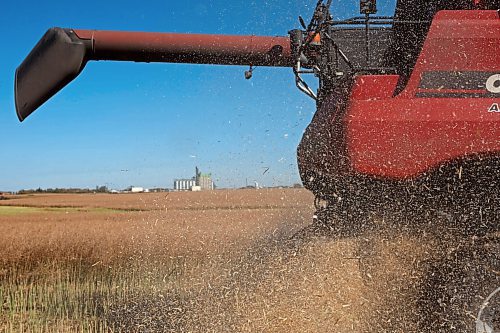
(448, 110)
(388, 126)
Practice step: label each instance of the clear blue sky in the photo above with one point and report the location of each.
(158, 121)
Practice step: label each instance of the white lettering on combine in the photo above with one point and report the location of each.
(493, 84)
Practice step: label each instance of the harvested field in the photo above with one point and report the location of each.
(221, 199)
(118, 226)
(220, 261)
(56, 247)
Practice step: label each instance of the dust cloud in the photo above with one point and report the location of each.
(289, 281)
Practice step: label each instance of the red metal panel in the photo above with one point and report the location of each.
(370, 87)
(401, 138)
(404, 136)
(459, 41)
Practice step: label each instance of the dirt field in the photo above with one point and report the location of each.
(220, 261)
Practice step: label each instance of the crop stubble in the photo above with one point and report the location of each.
(219, 261)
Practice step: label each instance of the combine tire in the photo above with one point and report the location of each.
(461, 291)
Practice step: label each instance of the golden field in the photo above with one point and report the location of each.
(218, 261)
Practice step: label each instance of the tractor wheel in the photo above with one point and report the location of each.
(461, 291)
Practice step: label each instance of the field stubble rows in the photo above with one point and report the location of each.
(67, 259)
(218, 261)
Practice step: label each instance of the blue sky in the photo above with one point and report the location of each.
(156, 121)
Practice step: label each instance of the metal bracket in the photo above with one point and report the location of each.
(300, 83)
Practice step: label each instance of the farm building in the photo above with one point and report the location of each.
(136, 189)
(184, 184)
(205, 182)
(200, 182)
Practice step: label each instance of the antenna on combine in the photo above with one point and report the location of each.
(367, 7)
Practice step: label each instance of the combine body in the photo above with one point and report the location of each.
(446, 112)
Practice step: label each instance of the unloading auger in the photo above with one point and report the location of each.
(62, 54)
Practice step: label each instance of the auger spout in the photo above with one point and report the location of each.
(61, 55)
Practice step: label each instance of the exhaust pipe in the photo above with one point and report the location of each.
(61, 55)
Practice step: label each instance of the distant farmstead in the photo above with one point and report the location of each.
(200, 182)
(136, 189)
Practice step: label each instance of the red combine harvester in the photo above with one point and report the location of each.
(407, 124)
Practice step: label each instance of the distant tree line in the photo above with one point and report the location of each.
(98, 189)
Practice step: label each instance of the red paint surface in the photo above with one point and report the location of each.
(403, 136)
(188, 48)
